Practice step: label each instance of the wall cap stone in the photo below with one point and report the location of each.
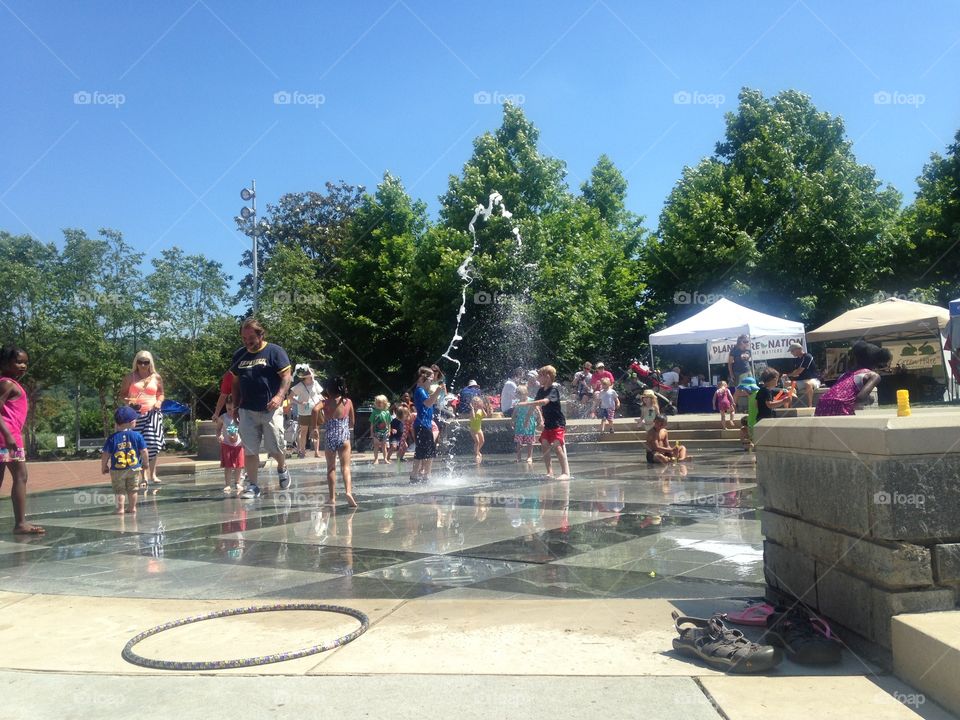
(881, 434)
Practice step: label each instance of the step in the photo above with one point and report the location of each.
(692, 445)
(926, 654)
(674, 422)
(681, 435)
(633, 430)
(636, 446)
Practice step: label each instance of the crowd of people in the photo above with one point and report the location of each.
(259, 385)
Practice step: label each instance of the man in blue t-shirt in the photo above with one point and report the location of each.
(124, 456)
(261, 380)
(465, 401)
(424, 401)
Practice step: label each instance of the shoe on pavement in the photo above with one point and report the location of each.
(252, 491)
(796, 631)
(720, 647)
(284, 477)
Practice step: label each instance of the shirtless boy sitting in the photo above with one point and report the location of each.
(658, 444)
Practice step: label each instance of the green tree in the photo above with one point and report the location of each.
(620, 252)
(782, 216)
(930, 261)
(509, 162)
(193, 333)
(606, 191)
(100, 312)
(293, 305)
(315, 223)
(567, 288)
(366, 313)
(531, 184)
(30, 299)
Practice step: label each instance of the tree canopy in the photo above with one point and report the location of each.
(782, 216)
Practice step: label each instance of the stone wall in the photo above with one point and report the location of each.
(861, 515)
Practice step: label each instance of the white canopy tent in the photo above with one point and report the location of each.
(721, 323)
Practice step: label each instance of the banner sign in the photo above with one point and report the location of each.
(916, 355)
(764, 347)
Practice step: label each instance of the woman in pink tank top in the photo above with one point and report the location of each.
(14, 407)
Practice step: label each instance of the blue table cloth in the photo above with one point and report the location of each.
(695, 400)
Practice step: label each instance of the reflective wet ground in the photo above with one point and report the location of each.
(619, 529)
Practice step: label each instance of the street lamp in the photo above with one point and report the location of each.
(250, 195)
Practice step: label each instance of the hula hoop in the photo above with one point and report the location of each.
(130, 656)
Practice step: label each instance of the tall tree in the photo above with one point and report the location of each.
(293, 305)
(606, 190)
(532, 186)
(315, 223)
(620, 250)
(100, 313)
(782, 215)
(187, 301)
(930, 262)
(30, 301)
(366, 309)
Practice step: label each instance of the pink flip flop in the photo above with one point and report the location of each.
(821, 626)
(751, 615)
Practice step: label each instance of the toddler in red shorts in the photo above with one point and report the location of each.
(231, 450)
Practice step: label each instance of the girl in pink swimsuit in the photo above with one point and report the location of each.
(13, 414)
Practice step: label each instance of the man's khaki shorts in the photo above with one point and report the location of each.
(262, 429)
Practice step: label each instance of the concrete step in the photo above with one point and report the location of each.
(926, 654)
(637, 446)
(574, 424)
(681, 435)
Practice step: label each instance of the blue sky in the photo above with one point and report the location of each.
(150, 117)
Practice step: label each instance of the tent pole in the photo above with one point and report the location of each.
(709, 378)
(653, 365)
(946, 368)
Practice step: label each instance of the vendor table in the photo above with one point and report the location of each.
(695, 400)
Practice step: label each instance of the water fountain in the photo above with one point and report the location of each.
(466, 273)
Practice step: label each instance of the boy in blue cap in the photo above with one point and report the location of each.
(124, 456)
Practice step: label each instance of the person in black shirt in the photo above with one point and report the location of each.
(739, 360)
(554, 422)
(804, 371)
(767, 393)
(262, 378)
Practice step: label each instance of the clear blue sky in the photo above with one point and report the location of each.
(399, 83)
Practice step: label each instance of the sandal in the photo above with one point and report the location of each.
(722, 648)
(754, 614)
(804, 637)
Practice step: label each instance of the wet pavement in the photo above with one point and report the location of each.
(618, 529)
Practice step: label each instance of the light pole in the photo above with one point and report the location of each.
(250, 195)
